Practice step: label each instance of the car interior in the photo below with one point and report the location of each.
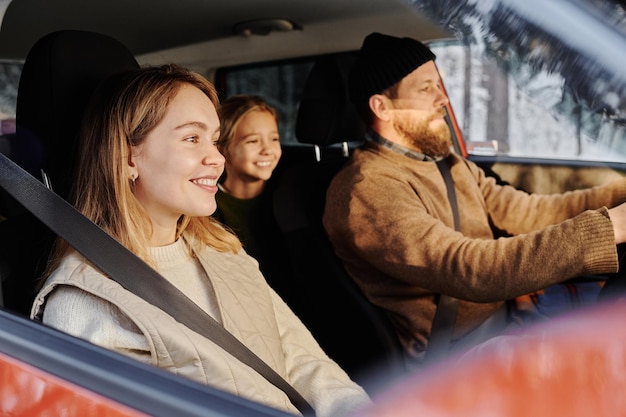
(63, 66)
(51, 96)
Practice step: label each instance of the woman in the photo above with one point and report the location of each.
(148, 175)
(249, 140)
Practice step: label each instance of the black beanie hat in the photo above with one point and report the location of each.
(383, 61)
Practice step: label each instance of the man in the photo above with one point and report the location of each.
(390, 220)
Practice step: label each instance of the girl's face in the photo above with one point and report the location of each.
(254, 150)
(178, 164)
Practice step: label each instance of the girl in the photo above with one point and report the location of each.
(249, 140)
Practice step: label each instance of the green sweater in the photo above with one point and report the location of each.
(390, 221)
(251, 219)
(254, 222)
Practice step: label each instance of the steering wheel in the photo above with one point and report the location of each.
(615, 286)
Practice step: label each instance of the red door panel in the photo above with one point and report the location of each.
(27, 391)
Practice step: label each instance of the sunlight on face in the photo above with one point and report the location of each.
(178, 163)
(421, 136)
(419, 114)
(254, 150)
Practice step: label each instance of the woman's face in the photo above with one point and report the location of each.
(178, 163)
(254, 150)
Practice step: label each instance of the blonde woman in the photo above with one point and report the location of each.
(148, 175)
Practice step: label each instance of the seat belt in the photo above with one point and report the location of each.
(119, 264)
(447, 306)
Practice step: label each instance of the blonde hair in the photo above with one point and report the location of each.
(121, 114)
(233, 109)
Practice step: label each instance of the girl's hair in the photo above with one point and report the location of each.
(121, 113)
(233, 109)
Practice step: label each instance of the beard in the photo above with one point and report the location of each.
(433, 142)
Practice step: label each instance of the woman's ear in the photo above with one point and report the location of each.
(379, 105)
(133, 173)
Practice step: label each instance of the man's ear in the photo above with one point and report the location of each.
(379, 105)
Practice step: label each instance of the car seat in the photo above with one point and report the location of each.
(352, 331)
(59, 74)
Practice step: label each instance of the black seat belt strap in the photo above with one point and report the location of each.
(121, 265)
(447, 307)
(444, 168)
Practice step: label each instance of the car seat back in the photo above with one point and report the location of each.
(59, 74)
(354, 332)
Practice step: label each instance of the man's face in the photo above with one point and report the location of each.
(418, 112)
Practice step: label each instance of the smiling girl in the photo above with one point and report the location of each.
(249, 140)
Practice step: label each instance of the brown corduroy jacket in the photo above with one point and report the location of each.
(390, 221)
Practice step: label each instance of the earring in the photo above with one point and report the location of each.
(133, 178)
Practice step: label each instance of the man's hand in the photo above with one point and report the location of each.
(618, 218)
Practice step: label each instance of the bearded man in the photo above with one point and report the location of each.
(389, 216)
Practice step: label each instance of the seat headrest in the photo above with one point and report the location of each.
(60, 73)
(326, 115)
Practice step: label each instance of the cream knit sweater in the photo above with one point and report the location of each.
(79, 300)
(74, 310)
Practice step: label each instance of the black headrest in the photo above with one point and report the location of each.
(60, 72)
(325, 114)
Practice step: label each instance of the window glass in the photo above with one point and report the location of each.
(526, 115)
(9, 80)
(566, 56)
(279, 83)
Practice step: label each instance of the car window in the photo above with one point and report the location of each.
(9, 79)
(528, 116)
(280, 83)
(521, 89)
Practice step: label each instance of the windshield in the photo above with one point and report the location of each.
(567, 55)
